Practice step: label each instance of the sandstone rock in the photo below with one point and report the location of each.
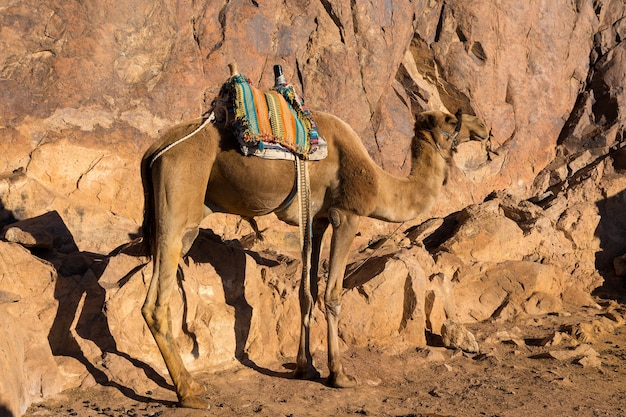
(514, 336)
(73, 373)
(47, 231)
(487, 237)
(8, 297)
(29, 370)
(589, 332)
(589, 361)
(456, 336)
(402, 324)
(431, 354)
(13, 399)
(87, 87)
(577, 221)
(42, 240)
(583, 353)
(440, 304)
(559, 339)
(421, 231)
(88, 174)
(85, 225)
(617, 314)
(503, 290)
(578, 297)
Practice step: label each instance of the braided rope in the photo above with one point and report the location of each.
(305, 224)
(157, 155)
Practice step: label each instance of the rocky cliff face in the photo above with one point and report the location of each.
(85, 88)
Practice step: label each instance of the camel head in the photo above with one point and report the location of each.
(446, 131)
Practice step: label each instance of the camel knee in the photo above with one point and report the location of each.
(155, 317)
(148, 311)
(340, 217)
(333, 306)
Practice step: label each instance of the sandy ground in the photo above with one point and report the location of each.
(515, 374)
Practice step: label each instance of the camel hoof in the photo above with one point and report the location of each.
(309, 373)
(342, 381)
(194, 402)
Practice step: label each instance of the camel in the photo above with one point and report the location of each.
(206, 173)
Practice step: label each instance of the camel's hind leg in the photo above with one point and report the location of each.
(304, 365)
(156, 310)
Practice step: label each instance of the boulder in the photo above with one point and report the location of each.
(27, 310)
(230, 308)
(456, 336)
(505, 290)
(69, 222)
(486, 235)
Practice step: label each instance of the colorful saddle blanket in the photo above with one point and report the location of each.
(273, 124)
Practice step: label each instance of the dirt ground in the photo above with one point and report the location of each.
(523, 370)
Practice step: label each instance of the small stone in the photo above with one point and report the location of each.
(374, 382)
(457, 336)
(559, 338)
(589, 362)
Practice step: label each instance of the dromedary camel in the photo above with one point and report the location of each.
(206, 173)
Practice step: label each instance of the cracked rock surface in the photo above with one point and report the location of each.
(528, 237)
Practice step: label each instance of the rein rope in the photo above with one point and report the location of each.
(436, 147)
(157, 155)
(454, 135)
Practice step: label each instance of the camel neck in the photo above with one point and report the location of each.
(402, 199)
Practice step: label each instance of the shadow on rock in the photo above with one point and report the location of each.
(81, 300)
(228, 258)
(611, 258)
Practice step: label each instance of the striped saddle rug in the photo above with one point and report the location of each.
(271, 124)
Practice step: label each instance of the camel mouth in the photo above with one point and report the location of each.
(479, 136)
(475, 128)
(479, 131)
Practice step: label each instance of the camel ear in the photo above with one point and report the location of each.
(425, 121)
(454, 120)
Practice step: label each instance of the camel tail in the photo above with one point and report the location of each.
(148, 226)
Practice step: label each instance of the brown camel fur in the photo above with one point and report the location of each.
(206, 173)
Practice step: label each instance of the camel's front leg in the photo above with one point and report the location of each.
(156, 312)
(304, 364)
(344, 229)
